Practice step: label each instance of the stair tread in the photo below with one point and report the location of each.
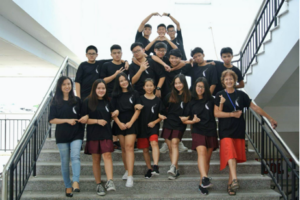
(130, 193)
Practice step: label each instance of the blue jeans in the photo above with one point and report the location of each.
(67, 150)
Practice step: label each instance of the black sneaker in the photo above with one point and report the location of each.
(203, 190)
(206, 182)
(155, 171)
(148, 174)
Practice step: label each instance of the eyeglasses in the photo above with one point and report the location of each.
(201, 87)
(91, 54)
(162, 51)
(171, 31)
(137, 51)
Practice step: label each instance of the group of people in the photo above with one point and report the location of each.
(137, 97)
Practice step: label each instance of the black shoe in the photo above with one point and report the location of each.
(203, 190)
(148, 174)
(69, 194)
(206, 182)
(155, 171)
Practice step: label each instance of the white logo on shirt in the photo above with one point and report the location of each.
(204, 73)
(181, 104)
(177, 43)
(106, 107)
(74, 111)
(236, 102)
(146, 71)
(152, 109)
(128, 76)
(130, 99)
(97, 71)
(206, 106)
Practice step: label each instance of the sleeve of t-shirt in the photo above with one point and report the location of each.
(79, 104)
(179, 35)
(137, 97)
(213, 75)
(246, 100)
(187, 109)
(103, 73)
(239, 75)
(79, 74)
(132, 71)
(166, 104)
(217, 99)
(187, 70)
(53, 113)
(113, 104)
(158, 70)
(161, 106)
(138, 35)
(84, 109)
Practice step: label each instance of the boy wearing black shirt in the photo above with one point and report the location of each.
(161, 30)
(226, 56)
(111, 69)
(202, 69)
(147, 69)
(146, 29)
(178, 41)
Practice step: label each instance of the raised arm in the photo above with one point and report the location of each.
(148, 47)
(260, 111)
(141, 27)
(173, 19)
(170, 43)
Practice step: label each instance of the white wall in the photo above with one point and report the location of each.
(78, 23)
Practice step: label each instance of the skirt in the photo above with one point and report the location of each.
(202, 140)
(232, 148)
(99, 147)
(170, 134)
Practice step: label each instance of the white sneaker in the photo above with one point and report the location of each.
(125, 176)
(164, 148)
(129, 182)
(181, 147)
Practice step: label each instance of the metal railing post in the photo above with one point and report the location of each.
(293, 180)
(275, 16)
(11, 181)
(35, 148)
(262, 148)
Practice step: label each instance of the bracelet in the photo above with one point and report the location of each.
(168, 14)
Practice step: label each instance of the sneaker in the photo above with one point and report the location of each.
(148, 174)
(181, 147)
(171, 177)
(203, 190)
(164, 148)
(206, 182)
(129, 182)
(155, 171)
(110, 186)
(100, 189)
(172, 170)
(124, 177)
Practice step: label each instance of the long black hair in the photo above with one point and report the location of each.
(206, 95)
(174, 92)
(58, 97)
(117, 88)
(93, 97)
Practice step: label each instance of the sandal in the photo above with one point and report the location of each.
(75, 187)
(235, 184)
(230, 191)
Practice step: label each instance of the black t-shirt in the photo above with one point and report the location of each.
(205, 112)
(233, 127)
(86, 74)
(109, 69)
(149, 113)
(153, 71)
(96, 131)
(178, 41)
(173, 111)
(208, 71)
(169, 48)
(140, 38)
(220, 68)
(66, 133)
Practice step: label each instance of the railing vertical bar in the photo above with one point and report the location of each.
(263, 149)
(281, 163)
(293, 181)
(287, 179)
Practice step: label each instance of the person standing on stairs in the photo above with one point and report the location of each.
(173, 129)
(200, 112)
(149, 124)
(99, 134)
(124, 99)
(65, 112)
(229, 105)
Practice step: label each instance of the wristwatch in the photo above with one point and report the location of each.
(168, 14)
(158, 88)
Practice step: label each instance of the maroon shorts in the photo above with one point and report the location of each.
(170, 134)
(98, 147)
(202, 140)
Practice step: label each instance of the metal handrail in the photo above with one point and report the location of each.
(32, 125)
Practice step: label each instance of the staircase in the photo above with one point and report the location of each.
(48, 184)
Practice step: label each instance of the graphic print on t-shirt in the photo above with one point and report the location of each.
(152, 109)
(74, 111)
(97, 70)
(204, 72)
(106, 108)
(236, 102)
(206, 106)
(130, 99)
(181, 104)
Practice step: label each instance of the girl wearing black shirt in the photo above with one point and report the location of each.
(99, 134)
(229, 105)
(124, 98)
(200, 111)
(173, 128)
(65, 111)
(149, 123)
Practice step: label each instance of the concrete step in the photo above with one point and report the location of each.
(186, 167)
(161, 182)
(53, 156)
(132, 194)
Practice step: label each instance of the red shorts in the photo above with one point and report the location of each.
(232, 148)
(98, 147)
(143, 143)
